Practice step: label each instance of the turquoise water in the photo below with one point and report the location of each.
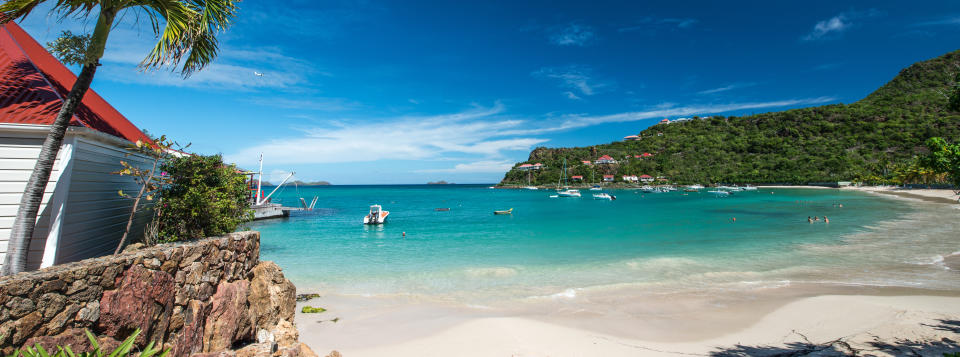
(659, 242)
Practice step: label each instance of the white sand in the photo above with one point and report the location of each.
(440, 331)
(930, 195)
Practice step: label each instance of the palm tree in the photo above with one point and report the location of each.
(186, 33)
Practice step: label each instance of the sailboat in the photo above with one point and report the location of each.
(566, 192)
(529, 187)
(595, 186)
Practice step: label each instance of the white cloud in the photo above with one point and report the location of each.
(578, 121)
(571, 95)
(836, 24)
(576, 78)
(946, 21)
(728, 88)
(479, 132)
(652, 24)
(485, 166)
(832, 27)
(572, 34)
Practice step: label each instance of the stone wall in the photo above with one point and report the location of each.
(211, 297)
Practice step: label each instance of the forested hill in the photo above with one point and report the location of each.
(863, 140)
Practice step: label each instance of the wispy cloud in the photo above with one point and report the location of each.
(834, 26)
(484, 166)
(826, 67)
(574, 121)
(578, 79)
(944, 21)
(649, 23)
(571, 95)
(479, 132)
(728, 88)
(572, 34)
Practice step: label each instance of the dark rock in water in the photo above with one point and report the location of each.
(307, 297)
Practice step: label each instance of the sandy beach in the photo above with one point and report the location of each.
(882, 325)
(930, 195)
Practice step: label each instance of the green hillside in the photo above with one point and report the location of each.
(869, 138)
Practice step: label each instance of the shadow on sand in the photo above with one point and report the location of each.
(839, 347)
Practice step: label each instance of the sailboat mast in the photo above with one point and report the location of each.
(260, 179)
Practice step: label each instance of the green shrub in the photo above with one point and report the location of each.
(65, 351)
(312, 310)
(205, 198)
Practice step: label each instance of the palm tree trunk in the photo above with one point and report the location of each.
(22, 232)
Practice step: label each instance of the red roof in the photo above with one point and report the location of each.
(576, 177)
(33, 84)
(647, 154)
(526, 165)
(607, 176)
(646, 176)
(605, 157)
(586, 162)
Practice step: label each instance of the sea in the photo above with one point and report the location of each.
(647, 243)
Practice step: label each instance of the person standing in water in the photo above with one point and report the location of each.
(826, 220)
(809, 220)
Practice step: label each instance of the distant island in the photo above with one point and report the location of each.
(312, 183)
(441, 182)
(301, 183)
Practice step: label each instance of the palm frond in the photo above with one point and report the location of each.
(189, 34)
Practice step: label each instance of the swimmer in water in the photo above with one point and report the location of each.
(734, 219)
(815, 218)
(809, 220)
(826, 220)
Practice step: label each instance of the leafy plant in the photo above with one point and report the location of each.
(71, 48)
(312, 310)
(943, 158)
(149, 180)
(65, 351)
(205, 198)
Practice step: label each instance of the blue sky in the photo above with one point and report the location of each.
(365, 92)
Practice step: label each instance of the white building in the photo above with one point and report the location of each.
(81, 215)
(605, 159)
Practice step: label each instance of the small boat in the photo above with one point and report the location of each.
(441, 209)
(554, 196)
(509, 211)
(568, 193)
(648, 189)
(530, 188)
(595, 188)
(376, 216)
(604, 196)
(748, 188)
(695, 187)
(690, 190)
(719, 193)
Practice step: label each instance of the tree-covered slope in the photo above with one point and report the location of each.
(862, 140)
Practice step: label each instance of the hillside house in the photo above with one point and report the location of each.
(630, 178)
(605, 159)
(576, 178)
(530, 167)
(646, 178)
(81, 215)
(631, 138)
(587, 162)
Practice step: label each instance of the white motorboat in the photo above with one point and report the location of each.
(604, 196)
(595, 188)
(568, 193)
(648, 189)
(748, 188)
(719, 193)
(530, 188)
(695, 187)
(376, 216)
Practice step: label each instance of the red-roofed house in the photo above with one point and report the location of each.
(646, 178)
(605, 159)
(630, 178)
(664, 121)
(81, 215)
(631, 138)
(527, 167)
(576, 178)
(607, 178)
(587, 162)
